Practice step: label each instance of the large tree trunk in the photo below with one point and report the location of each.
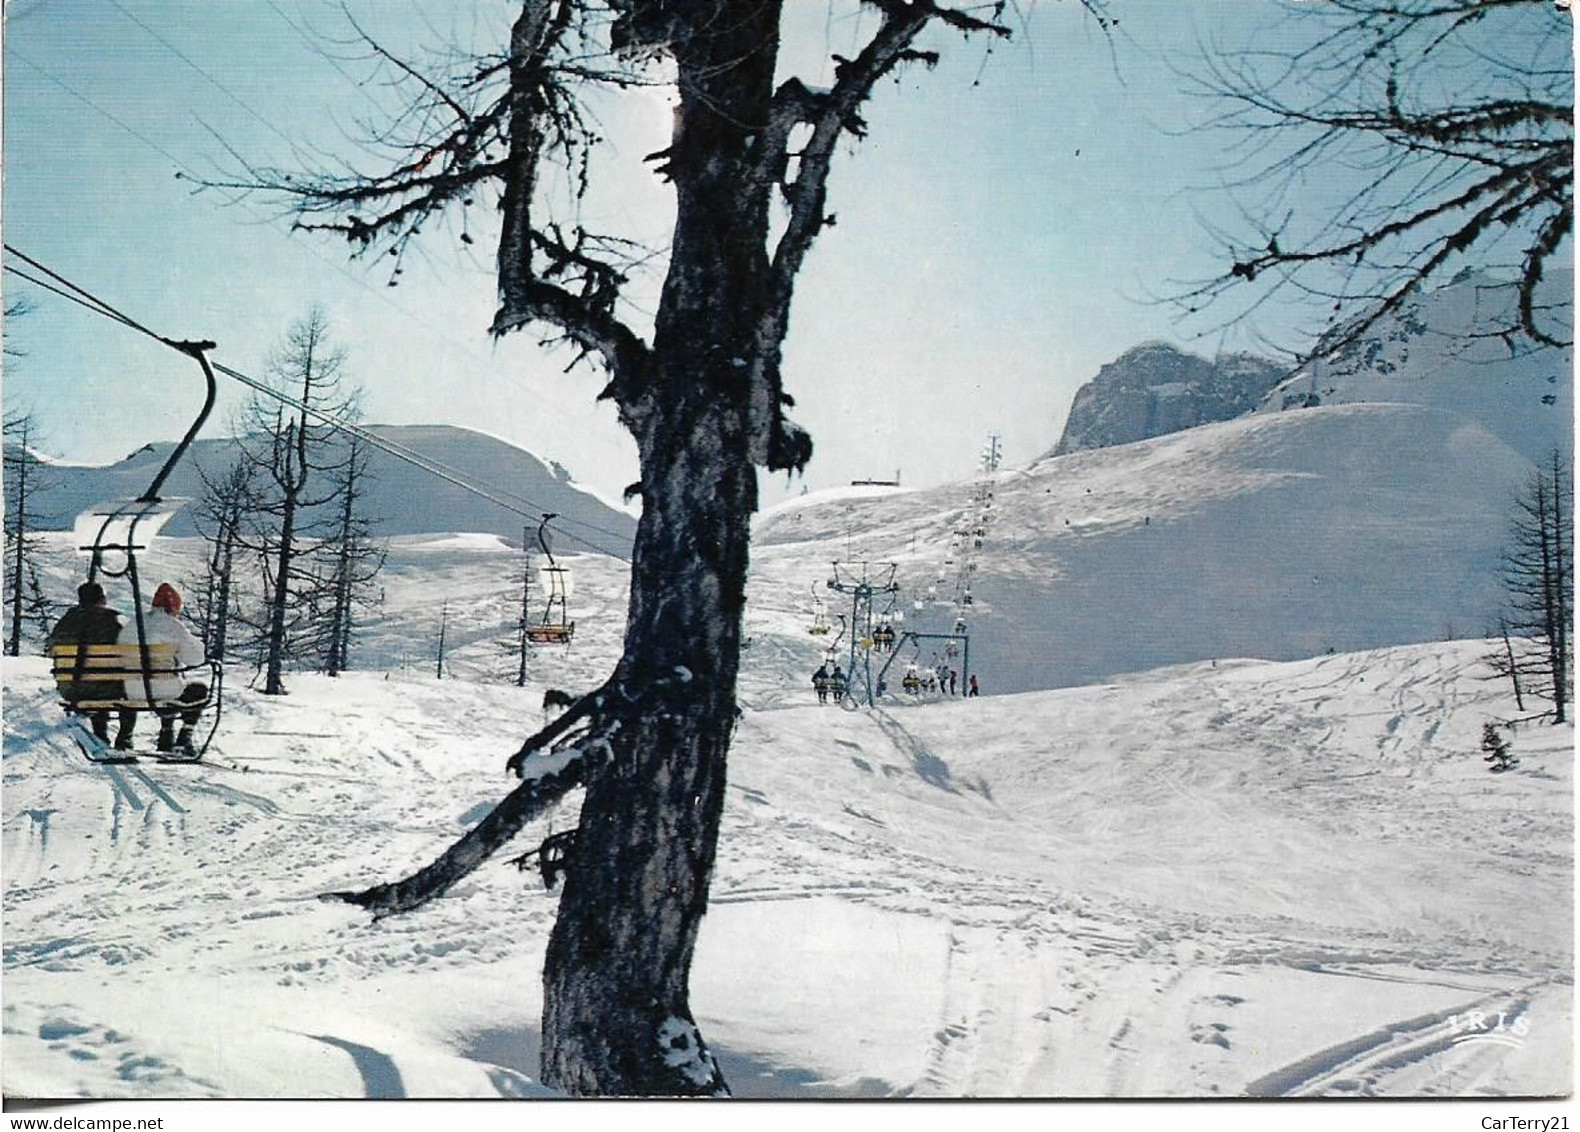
(616, 1013)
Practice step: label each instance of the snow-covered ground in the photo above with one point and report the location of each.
(1244, 879)
(1179, 849)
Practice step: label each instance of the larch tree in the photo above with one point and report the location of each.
(1538, 583)
(1399, 142)
(518, 646)
(350, 558)
(1504, 661)
(26, 478)
(288, 441)
(700, 390)
(221, 518)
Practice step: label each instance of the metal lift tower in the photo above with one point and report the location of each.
(863, 581)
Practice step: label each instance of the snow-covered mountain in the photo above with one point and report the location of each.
(1437, 350)
(403, 499)
(1155, 389)
(1422, 355)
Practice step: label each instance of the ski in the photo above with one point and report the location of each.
(96, 750)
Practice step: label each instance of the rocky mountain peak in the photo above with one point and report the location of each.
(1156, 388)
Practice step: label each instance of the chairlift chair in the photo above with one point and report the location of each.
(112, 535)
(557, 584)
(820, 625)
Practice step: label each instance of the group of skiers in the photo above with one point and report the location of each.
(932, 681)
(939, 680)
(92, 622)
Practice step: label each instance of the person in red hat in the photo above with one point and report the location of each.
(161, 625)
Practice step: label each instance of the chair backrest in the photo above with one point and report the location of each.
(109, 662)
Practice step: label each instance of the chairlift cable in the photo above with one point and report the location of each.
(84, 298)
(425, 463)
(417, 459)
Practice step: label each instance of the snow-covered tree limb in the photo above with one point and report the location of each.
(544, 783)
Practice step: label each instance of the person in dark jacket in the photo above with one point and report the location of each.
(92, 622)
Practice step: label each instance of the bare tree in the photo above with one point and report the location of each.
(1399, 142)
(444, 622)
(1505, 662)
(1538, 580)
(354, 558)
(517, 646)
(523, 643)
(702, 396)
(220, 517)
(14, 309)
(288, 444)
(26, 478)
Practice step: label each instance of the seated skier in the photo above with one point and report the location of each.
(160, 626)
(92, 622)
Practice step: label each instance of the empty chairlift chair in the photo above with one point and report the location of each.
(552, 630)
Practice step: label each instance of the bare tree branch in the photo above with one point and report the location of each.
(829, 114)
(1462, 145)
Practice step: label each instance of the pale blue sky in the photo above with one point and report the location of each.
(998, 232)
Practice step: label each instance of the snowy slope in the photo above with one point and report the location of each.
(1251, 878)
(1274, 536)
(1265, 869)
(1422, 355)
